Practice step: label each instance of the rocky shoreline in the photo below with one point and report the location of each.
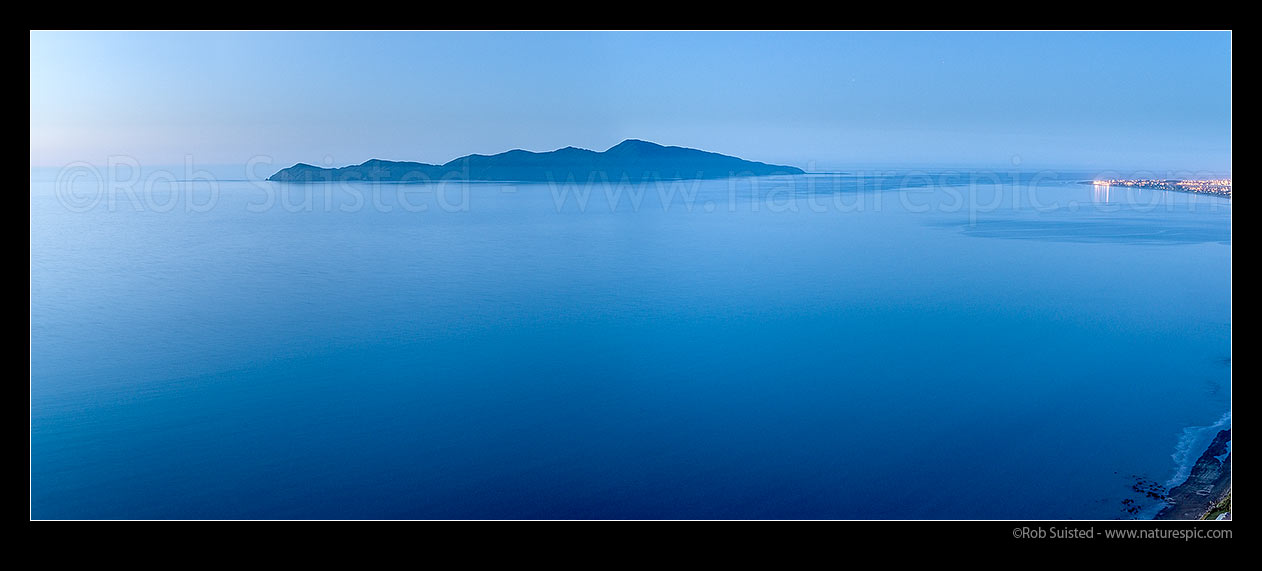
(1207, 485)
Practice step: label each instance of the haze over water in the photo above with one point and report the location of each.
(803, 347)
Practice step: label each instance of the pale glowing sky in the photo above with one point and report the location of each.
(829, 100)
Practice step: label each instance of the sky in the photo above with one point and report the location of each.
(817, 100)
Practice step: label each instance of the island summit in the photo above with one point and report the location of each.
(631, 159)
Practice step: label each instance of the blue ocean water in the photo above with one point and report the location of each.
(845, 346)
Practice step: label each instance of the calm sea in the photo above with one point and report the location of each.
(852, 346)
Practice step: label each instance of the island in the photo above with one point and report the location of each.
(631, 160)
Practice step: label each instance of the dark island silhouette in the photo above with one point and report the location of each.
(632, 160)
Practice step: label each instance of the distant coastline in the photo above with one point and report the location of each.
(631, 160)
(1216, 187)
